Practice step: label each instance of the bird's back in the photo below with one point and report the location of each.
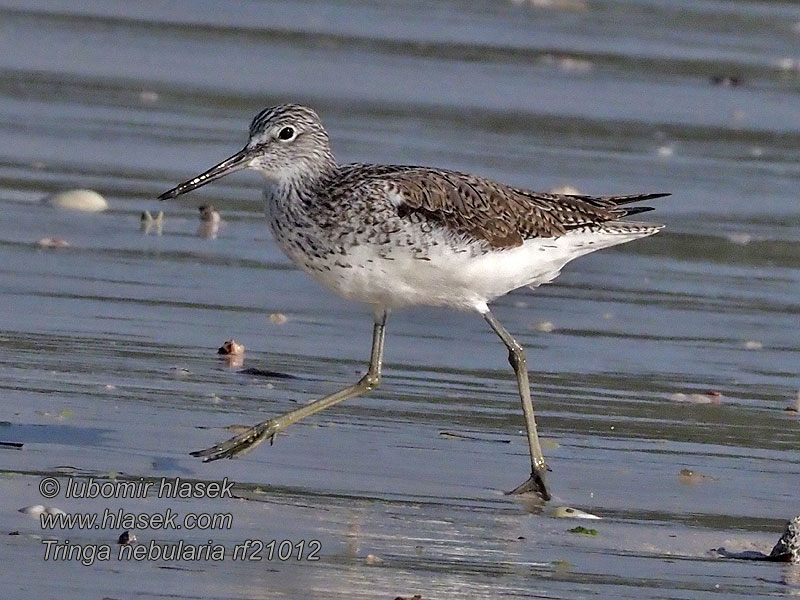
(486, 211)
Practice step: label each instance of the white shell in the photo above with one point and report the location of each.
(37, 509)
(85, 200)
(567, 512)
(34, 510)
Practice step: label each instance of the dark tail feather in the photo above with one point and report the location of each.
(619, 200)
(614, 203)
(635, 210)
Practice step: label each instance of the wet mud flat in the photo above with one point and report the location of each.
(661, 371)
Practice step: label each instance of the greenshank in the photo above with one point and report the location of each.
(393, 236)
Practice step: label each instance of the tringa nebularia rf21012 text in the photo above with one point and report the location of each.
(393, 236)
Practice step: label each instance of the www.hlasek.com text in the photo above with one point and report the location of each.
(121, 519)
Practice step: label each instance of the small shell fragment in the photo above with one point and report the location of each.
(665, 151)
(278, 318)
(740, 238)
(148, 97)
(707, 398)
(52, 242)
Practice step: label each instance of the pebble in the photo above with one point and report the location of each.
(85, 200)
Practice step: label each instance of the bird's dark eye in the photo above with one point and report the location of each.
(286, 133)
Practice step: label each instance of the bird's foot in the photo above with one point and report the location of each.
(241, 444)
(535, 484)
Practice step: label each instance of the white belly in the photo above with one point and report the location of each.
(461, 280)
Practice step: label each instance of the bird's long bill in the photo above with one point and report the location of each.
(238, 161)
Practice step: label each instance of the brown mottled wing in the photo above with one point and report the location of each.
(495, 213)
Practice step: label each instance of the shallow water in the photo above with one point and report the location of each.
(606, 96)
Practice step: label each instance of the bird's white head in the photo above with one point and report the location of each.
(288, 145)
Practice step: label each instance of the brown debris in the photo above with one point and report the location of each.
(231, 347)
(689, 477)
(126, 538)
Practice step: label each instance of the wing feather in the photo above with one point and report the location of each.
(500, 215)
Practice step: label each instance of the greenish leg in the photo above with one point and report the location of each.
(516, 356)
(256, 435)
